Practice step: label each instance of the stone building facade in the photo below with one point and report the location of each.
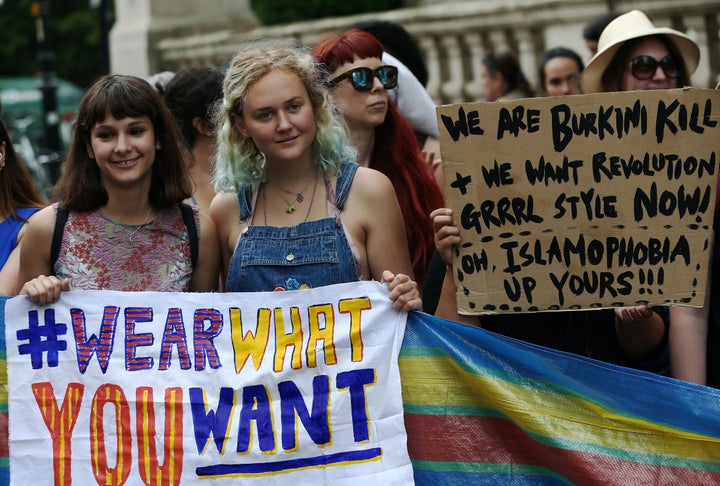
(158, 35)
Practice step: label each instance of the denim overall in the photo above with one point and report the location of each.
(311, 254)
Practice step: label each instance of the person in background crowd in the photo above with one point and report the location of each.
(190, 96)
(294, 210)
(19, 200)
(359, 85)
(634, 54)
(502, 78)
(120, 194)
(160, 80)
(560, 72)
(412, 100)
(399, 43)
(593, 29)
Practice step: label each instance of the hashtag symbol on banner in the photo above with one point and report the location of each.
(42, 339)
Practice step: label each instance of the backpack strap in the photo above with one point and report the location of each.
(60, 220)
(188, 216)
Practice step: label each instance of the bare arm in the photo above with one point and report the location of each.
(688, 337)
(373, 206)
(205, 274)
(225, 213)
(34, 278)
(688, 343)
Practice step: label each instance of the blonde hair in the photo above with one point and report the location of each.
(238, 161)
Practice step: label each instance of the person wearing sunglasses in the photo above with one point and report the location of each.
(634, 54)
(362, 78)
(560, 72)
(359, 84)
(412, 98)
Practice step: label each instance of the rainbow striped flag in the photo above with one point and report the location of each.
(486, 409)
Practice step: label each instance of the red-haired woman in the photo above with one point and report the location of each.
(383, 138)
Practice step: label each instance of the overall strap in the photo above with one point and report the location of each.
(344, 181)
(188, 216)
(60, 220)
(245, 201)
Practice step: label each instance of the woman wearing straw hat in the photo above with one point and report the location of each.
(634, 54)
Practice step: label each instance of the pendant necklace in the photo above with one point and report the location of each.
(298, 195)
(289, 211)
(121, 226)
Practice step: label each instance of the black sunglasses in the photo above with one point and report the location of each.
(362, 78)
(644, 67)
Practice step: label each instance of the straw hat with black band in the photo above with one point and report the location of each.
(633, 25)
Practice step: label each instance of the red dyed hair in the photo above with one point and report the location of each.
(396, 153)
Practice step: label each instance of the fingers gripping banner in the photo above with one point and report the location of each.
(162, 388)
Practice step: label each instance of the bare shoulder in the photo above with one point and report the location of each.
(35, 247)
(42, 224)
(223, 200)
(223, 206)
(371, 185)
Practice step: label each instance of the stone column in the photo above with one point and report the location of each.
(140, 24)
(452, 88)
(428, 45)
(474, 43)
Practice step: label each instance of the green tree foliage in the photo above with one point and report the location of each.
(281, 11)
(74, 34)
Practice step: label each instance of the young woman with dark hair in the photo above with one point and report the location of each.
(560, 72)
(359, 85)
(191, 95)
(19, 200)
(635, 55)
(502, 77)
(121, 190)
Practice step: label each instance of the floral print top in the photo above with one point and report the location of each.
(98, 253)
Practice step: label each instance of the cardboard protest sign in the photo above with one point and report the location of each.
(585, 201)
(160, 388)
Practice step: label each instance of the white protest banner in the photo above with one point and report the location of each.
(168, 388)
(589, 201)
